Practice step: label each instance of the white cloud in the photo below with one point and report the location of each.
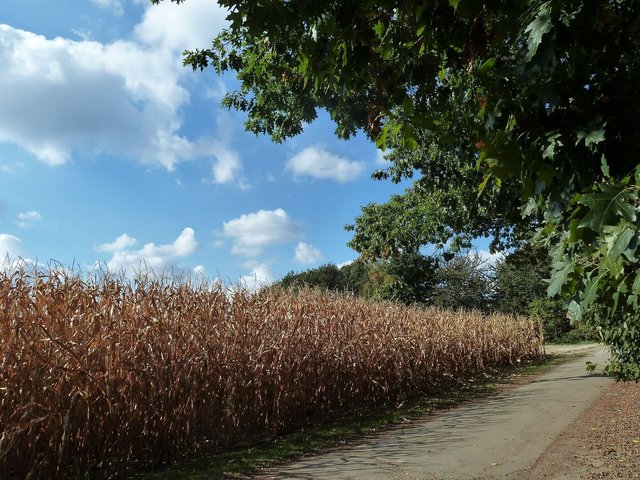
(10, 247)
(12, 254)
(318, 163)
(31, 215)
(487, 257)
(344, 264)
(306, 253)
(260, 276)
(115, 6)
(26, 219)
(69, 97)
(123, 242)
(156, 257)
(11, 167)
(226, 166)
(200, 271)
(83, 98)
(254, 231)
(380, 157)
(217, 91)
(182, 27)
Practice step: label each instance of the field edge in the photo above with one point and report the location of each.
(251, 459)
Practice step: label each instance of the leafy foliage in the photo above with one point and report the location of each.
(408, 278)
(520, 289)
(326, 277)
(441, 207)
(540, 97)
(464, 282)
(520, 279)
(596, 260)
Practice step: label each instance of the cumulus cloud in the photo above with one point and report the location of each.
(12, 253)
(254, 231)
(123, 242)
(260, 276)
(200, 270)
(114, 6)
(87, 97)
(226, 166)
(181, 27)
(306, 253)
(26, 219)
(83, 98)
(156, 257)
(318, 163)
(10, 247)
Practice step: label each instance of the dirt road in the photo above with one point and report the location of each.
(494, 438)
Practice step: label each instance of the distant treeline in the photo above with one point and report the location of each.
(515, 284)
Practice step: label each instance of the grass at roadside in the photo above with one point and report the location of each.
(237, 462)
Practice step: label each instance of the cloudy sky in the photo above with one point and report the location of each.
(112, 152)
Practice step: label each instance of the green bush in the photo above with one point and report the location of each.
(557, 326)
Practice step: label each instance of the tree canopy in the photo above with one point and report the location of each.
(517, 116)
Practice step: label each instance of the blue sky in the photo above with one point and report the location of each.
(112, 152)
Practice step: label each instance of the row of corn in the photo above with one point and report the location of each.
(100, 375)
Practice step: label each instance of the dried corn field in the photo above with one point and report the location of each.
(100, 376)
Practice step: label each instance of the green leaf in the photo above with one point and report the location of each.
(574, 311)
(379, 28)
(622, 288)
(590, 291)
(604, 166)
(630, 252)
(606, 206)
(487, 65)
(303, 62)
(483, 185)
(381, 141)
(409, 137)
(553, 142)
(530, 207)
(632, 299)
(537, 29)
(591, 136)
(407, 106)
(454, 3)
(386, 52)
(423, 121)
(559, 277)
(620, 240)
(575, 233)
(636, 283)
